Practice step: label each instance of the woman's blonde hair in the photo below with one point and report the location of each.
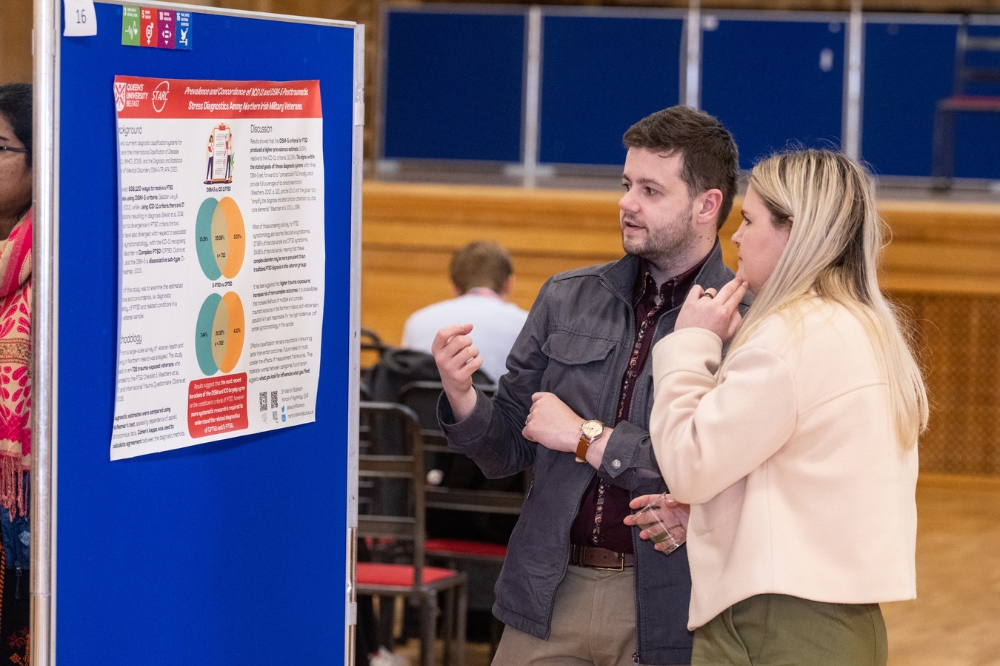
(833, 250)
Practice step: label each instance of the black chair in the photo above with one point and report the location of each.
(469, 517)
(371, 342)
(462, 487)
(366, 393)
(404, 533)
(961, 101)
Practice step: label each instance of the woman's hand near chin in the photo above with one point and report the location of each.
(716, 312)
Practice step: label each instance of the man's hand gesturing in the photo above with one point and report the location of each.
(457, 360)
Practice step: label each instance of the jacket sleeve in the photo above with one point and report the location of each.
(491, 435)
(708, 432)
(629, 461)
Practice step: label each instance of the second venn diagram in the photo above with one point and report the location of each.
(220, 239)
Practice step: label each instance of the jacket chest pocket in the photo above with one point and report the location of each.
(577, 369)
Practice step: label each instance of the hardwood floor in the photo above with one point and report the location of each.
(955, 620)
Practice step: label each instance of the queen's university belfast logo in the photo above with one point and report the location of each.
(120, 96)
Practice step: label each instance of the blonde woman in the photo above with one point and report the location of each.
(797, 453)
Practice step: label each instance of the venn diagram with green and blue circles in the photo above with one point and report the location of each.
(220, 238)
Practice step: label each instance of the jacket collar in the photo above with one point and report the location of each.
(621, 275)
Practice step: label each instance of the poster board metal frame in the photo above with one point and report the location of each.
(47, 40)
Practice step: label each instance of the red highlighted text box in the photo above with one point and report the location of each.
(217, 405)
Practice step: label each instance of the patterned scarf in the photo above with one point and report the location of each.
(15, 354)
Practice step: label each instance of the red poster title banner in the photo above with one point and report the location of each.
(141, 97)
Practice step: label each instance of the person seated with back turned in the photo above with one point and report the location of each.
(482, 277)
(578, 586)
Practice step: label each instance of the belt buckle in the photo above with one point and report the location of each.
(620, 567)
(581, 556)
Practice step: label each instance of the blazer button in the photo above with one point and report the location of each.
(615, 464)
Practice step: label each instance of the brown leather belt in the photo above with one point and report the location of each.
(600, 558)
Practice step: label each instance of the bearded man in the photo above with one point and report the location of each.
(578, 586)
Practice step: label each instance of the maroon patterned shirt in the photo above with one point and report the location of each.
(604, 506)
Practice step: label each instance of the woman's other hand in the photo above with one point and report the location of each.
(716, 312)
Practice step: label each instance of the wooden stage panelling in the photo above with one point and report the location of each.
(943, 264)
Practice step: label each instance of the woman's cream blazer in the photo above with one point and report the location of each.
(788, 456)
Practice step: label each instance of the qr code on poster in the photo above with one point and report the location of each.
(274, 399)
(263, 401)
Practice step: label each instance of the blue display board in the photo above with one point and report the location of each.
(599, 76)
(899, 107)
(224, 553)
(453, 85)
(775, 82)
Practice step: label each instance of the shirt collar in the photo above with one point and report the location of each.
(645, 285)
(484, 292)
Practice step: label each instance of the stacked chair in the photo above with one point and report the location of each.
(458, 495)
(422, 398)
(961, 101)
(371, 343)
(392, 515)
(469, 517)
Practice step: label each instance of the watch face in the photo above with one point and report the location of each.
(592, 429)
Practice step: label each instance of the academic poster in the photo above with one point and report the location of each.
(221, 259)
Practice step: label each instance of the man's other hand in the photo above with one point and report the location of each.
(457, 360)
(670, 512)
(552, 424)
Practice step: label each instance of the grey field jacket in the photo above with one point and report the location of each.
(576, 344)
